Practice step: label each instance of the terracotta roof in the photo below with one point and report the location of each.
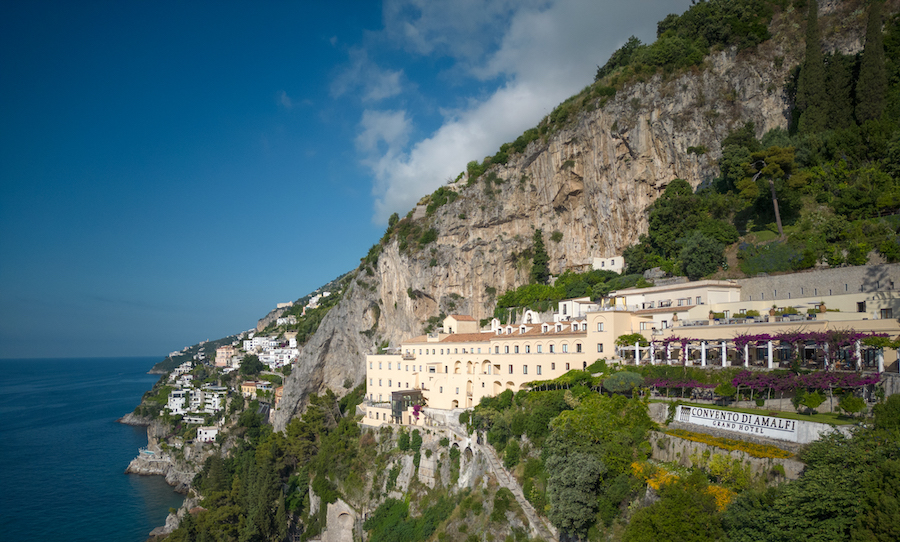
(468, 338)
(462, 317)
(535, 332)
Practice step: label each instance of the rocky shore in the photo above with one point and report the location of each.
(132, 419)
(178, 464)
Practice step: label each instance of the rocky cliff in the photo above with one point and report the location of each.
(591, 180)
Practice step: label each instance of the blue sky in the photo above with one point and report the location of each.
(172, 170)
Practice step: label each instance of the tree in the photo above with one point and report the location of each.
(572, 490)
(540, 269)
(686, 512)
(775, 166)
(811, 98)
(623, 382)
(812, 401)
(871, 88)
(251, 365)
(851, 404)
(700, 255)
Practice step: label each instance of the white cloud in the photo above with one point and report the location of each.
(390, 127)
(285, 100)
(364, 75)
(543, 52)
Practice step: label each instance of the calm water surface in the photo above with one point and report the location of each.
(63, 456)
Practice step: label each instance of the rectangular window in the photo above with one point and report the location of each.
(538, 369)
(551, 348)
(600, 348)
(370, 365)
(496, 349)
(887, 313)
(506, 349)
(645, 326)
(517, 349)
(457, 391)
(441, 389)
(379, 381)
(567, 366)
(861, 306)
(510, 369)
(379, 365)
(431, 369)
(442, 351)
(524, 369)
(407, 368)
(527, 348)
(370, 382)
(680, 302)
(565, 349)
(600, 326)
(578, 347)
(538, 349)
(479, 350)
(389, 383)
(456, 350)
(552, 366)
(698, 301)
(389, 366)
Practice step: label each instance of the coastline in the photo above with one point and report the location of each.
(176, 466)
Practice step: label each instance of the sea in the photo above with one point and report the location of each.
(63, 455)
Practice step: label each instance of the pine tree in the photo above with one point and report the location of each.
(540, 269)
(811, 97)
(872, 85)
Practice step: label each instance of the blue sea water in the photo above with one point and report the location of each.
(63, 456)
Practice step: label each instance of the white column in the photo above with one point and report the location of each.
(652, 354)
(826, 356)
(703, 353)
(669, 354)
(859, 361)
(747, 355)
(771, 354)
(880, 359)
(637, 353)
(684, 359)
(724, 355)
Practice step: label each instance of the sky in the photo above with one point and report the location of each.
(169, 171)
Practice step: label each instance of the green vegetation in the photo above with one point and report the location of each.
(540, 270)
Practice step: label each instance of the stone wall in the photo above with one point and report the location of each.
(822, 283)
(678, 450)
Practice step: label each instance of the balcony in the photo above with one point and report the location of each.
(409, 356)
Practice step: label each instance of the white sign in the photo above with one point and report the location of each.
(754, 424)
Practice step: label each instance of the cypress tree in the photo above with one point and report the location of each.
(872, 85)
(839, 79)
(540, 269)
(811, 97)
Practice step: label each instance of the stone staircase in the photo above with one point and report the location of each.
(539, 528)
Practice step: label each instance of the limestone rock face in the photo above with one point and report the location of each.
(590, 181)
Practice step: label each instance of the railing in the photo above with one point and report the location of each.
(409, 356)
(749, 320)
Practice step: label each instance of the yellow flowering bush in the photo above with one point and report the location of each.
(656, 477)
(752, 449)
(723, 496)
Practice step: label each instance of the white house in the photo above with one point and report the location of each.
(207, 433)
(613, 263)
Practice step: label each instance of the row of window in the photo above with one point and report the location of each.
(565, 350)
(511, 369)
